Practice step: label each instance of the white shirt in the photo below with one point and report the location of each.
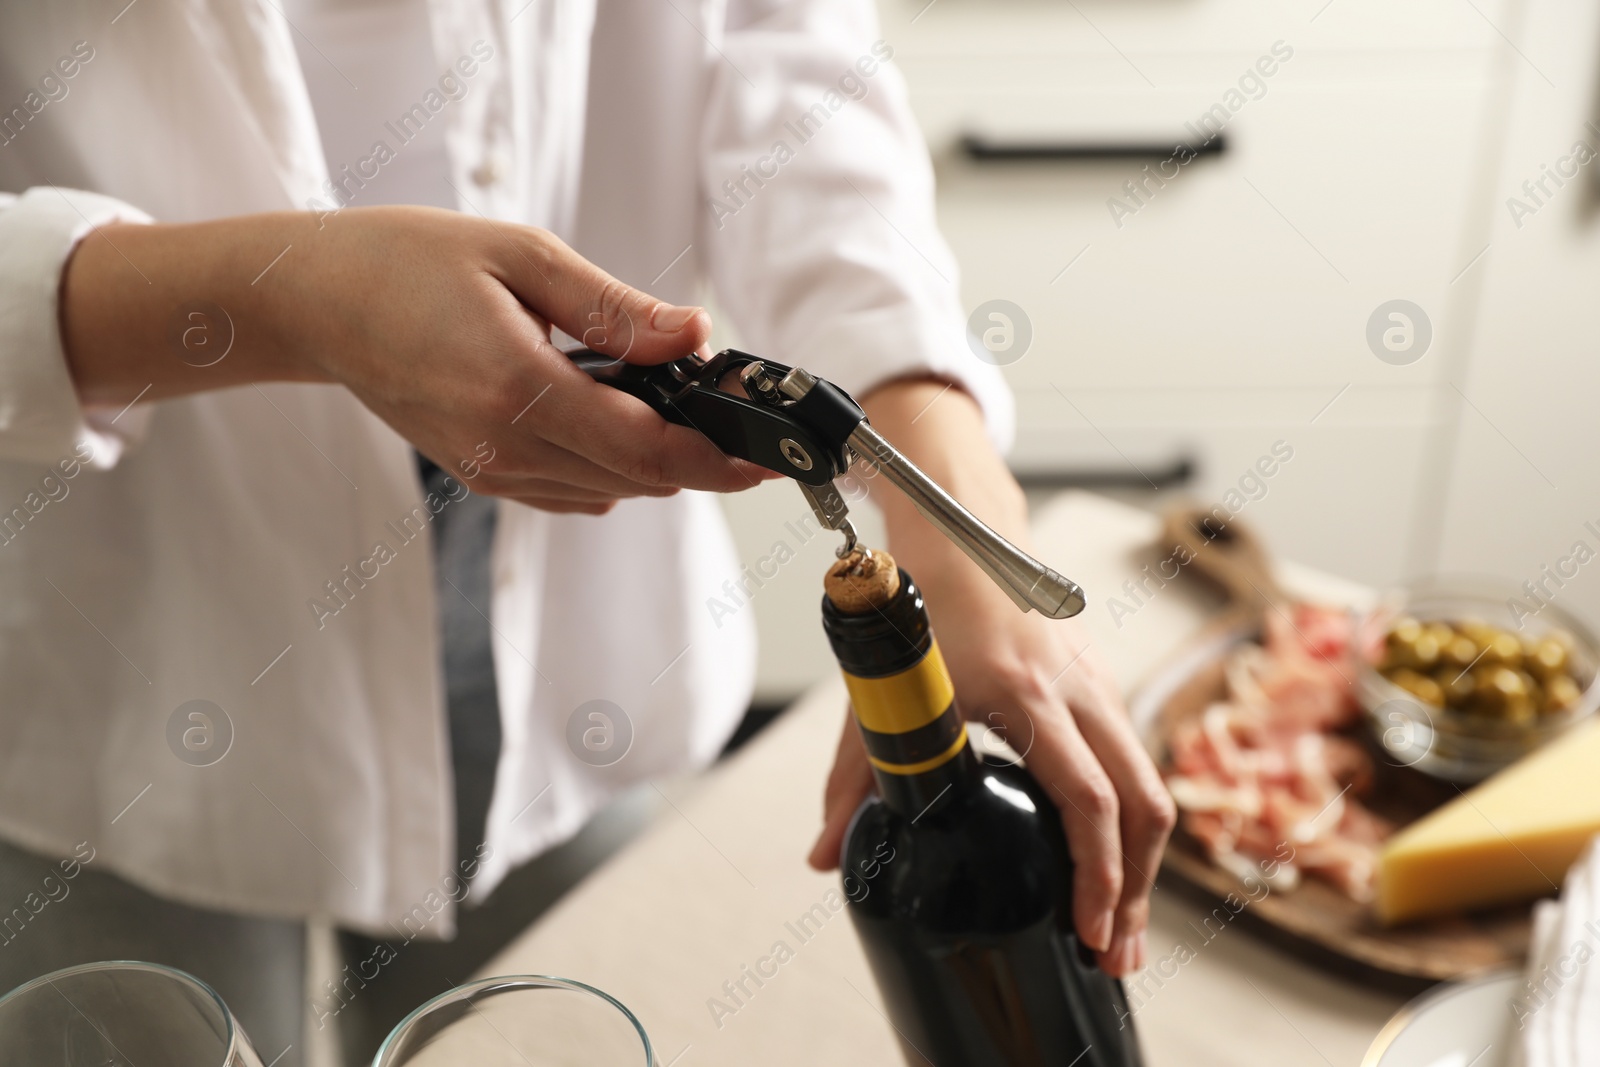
(181, 560)
(370, 62)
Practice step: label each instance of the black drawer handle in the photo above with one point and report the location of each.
(1180, 470)
(985, 149)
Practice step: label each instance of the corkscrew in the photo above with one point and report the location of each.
(808, 429)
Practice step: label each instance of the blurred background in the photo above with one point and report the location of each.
(1378, 249)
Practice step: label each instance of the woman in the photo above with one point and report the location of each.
(238, 386)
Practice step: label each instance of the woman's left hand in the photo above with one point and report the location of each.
(1039, 683)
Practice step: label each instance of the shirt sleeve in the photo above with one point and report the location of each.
(41, 418)
(817, 183)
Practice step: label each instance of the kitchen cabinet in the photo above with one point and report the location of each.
(1225, 311)
(1519, 481)
(1228, 310)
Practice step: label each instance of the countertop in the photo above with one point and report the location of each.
(710, 886)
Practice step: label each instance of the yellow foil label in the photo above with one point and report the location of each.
(900, 703)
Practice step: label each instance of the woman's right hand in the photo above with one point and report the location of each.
(437, 321)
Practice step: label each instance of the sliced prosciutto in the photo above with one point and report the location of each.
(1266, 781)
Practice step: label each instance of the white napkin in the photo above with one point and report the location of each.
(1557, 1011)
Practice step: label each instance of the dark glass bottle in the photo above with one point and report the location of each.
(957, 873)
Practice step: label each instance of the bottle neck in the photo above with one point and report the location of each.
(927, 791)
(903, 702)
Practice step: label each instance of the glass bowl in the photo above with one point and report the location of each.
(524, 1020)
(1452, 745)
(120, 1013)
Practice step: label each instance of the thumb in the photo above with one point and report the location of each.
(604, 314)
(849, 783)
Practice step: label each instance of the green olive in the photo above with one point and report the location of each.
(1513, 683)
(1504, 693)
(1459, 652)
(1420, 686)
(1548, 658)
(1561, 693)
(1399, 645)
(1405, 629)
(1441, 632)
(1504, 650)
(1456, 685)
(1404, 650)
(1502, 678)
(1490, 688)
(1521, 710)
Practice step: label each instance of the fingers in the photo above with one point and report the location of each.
(564, 507)
(543, 462)
(623, 435)
(1063, 762)
(597, 309)
(544, 489)
(848, 785)
(584, 433)
(614, 430)
(1147, 816)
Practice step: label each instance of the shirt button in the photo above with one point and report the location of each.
(487, 173)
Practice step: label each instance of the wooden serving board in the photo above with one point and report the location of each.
(1315, 920)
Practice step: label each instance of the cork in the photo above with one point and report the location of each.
(862, 580)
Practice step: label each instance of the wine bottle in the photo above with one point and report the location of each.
(957, 874)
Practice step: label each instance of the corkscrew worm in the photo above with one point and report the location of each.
(808, 429)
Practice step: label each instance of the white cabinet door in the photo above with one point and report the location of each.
(1229, 312)
(1214, 313)
(1523, 482)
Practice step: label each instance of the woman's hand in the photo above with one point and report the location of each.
(437, 321)
(1036, 681)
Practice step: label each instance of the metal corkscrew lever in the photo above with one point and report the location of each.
(808, 429)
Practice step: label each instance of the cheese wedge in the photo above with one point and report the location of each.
(1511, 838)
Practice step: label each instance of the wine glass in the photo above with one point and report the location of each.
(120, 1014)
(525, 1020)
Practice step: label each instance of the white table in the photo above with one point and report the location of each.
(709, 887)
